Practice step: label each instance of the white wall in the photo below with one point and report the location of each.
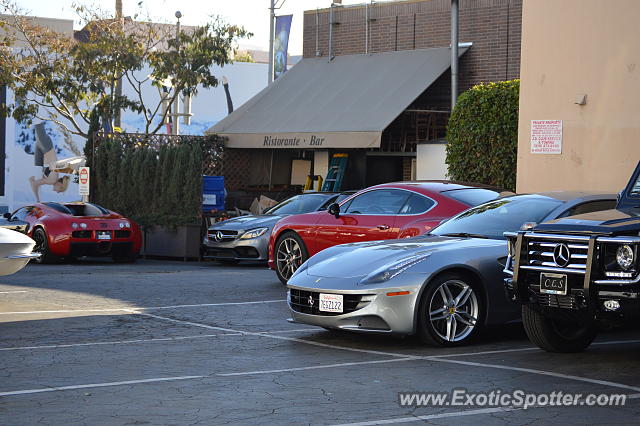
(430, 161)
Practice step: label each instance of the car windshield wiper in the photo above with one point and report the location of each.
(464, 234)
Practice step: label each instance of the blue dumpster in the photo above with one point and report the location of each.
(213, 193)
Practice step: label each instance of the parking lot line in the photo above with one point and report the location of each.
(263, 334)
(315, 367)
(98, 385)
(434, 416)
(13, 291)
(133, 341)
(539, 372)
(104, 309)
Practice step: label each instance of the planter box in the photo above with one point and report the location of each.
(183, 242)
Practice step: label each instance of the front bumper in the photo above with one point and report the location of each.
(255, 249)
(367, 309)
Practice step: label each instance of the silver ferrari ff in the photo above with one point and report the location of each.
(443, 286)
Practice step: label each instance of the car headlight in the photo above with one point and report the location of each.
(254, 233)
(121, 225)
(74, 225)
(83, 225)
(625, 256)
(394, 269)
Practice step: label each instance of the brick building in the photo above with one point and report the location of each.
(395, 33)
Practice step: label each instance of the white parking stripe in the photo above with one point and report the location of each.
(540, 372)
(103, 309)
(434, 416)
(316, 367)
(98, 385)
(13, 291)
(271, 336)
(132, 341)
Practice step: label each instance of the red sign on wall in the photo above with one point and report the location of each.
(546, 136)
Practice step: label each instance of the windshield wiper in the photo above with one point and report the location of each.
(464, 235)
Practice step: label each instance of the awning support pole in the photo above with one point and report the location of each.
(454, 53)
(272, 17)
(271, 171)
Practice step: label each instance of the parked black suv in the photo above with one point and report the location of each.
(574, 274)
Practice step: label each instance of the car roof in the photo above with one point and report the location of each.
(566, 196)
(437, 185)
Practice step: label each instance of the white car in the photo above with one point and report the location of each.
(15, 251)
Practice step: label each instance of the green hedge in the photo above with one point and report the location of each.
(482, 135)
(153, 186)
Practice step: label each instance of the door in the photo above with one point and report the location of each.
(17, 221)
(369, 216)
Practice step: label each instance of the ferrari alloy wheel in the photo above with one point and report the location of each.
(450, 311)
(290, 253)
(42, 247)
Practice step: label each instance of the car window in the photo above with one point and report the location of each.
(330, 200)
(417, 204)
(378, 202)
(20, 214)
(589, 207)
(496, 217)
(472, 196)
(304, 203)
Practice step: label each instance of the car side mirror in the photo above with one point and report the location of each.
(334, 209)
(7, 215)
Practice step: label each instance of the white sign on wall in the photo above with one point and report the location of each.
(546, 136)
(83, 180)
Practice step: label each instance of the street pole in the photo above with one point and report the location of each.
(454, 53)
(117, 119)
(272, 17)
(175, 125)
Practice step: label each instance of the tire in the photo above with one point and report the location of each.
(450, 311)
(551, 336)
(290, 252)
(42, 247)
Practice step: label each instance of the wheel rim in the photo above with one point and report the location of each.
(289, 257)
(453, 311)
(40, 246)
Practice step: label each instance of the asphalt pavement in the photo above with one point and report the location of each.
(163, 342)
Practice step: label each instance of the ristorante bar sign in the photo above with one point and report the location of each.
(303, 140)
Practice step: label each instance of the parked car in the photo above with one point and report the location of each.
(247, 237)
(576, 273)
(69, 230)
(15, 251)
(382, 212)
(443, 286)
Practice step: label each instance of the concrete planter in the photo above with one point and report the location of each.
(183, 242)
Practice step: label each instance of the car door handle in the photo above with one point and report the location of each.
(383, 227)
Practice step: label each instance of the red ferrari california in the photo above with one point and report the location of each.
(70, 230)
(381, 212)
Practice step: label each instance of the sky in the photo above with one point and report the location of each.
(252, 14)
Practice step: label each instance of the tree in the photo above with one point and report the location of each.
(482, 135)
(55, 77)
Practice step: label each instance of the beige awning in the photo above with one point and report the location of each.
(344, 103)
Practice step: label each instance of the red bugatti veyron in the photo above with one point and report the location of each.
(71, 230)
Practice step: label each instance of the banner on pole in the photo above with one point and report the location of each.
(281, 44)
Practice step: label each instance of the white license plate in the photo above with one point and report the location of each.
(104, 235)
(331, 302)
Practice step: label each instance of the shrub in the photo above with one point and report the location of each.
(482, 135)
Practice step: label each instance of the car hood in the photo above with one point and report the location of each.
(360, 259)
(606, 222)
(248, 222)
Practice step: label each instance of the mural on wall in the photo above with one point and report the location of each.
(41, 157)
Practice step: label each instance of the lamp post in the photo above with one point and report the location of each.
(272, 18)
(454, 53)
(175, 122)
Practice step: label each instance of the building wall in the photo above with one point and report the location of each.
(494, 27)
(570, 48)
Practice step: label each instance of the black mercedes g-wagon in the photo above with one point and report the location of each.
(576, 274)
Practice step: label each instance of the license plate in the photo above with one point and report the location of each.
(104, 235)
(553, 284)
(331, 302)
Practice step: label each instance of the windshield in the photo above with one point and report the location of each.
(304, 203)
(494, 218)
